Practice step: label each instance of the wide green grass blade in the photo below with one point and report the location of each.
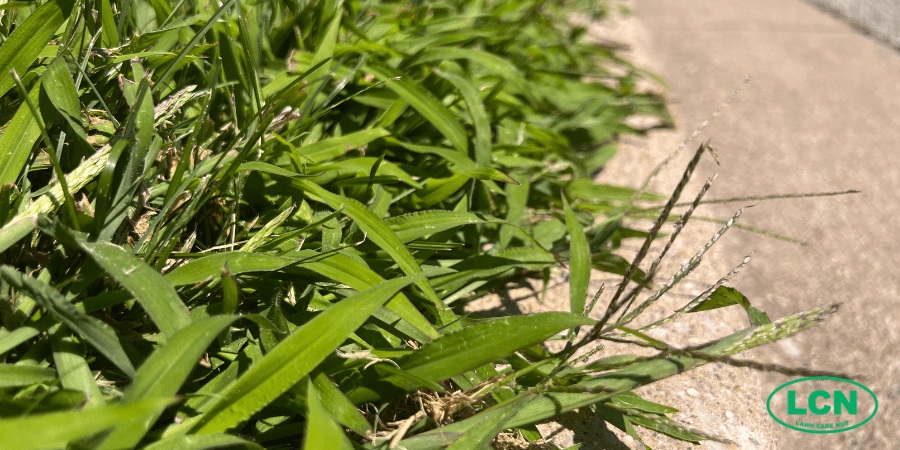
(20, 375)
(209, 267)
(18, 139)
(29, 39)
(97, 333)
(343, 410)
(56, 430)
(74, 371)
(331, 148)
(162, 375)
(346, 270)
(294, 358)
(151, 289)
(15, 230)
(425, 103)
(491, 424)
(322, 431)
(382, 236)
(479, 116)
(419, 224)
(203, 442)
(469, 348)
(579, 262)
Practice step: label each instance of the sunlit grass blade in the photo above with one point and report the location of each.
(579, 262)
(468, 348)
(479, 116)
(294, 358)
(203, 442)
(152, 290)
(381, 235)
(480, 435)
(59, 429)
(321, 429)
(30, 38)
(425, 103)
(20, 375)
(17, 140)
(162, 375)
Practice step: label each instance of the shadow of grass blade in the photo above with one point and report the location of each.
(294, 358)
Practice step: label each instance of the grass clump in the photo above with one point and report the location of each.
(257, 224)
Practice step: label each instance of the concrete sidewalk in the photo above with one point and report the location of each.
(822, 113)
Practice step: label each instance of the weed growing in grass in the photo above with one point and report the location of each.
(257, 224)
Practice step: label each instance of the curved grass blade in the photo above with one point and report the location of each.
(425, 103)
(97, 333)
(331, 148)
(419, 224)
(58, 429)
(322, 431)
(162, 375)
(491, 424)
(202, 442)
(382, 236)
(29, 39)
(209, 267)
(357, 276)
(479, 116)
(152, 290)
(294, 358)
(579, 262)
(468, 348)
(18, 375)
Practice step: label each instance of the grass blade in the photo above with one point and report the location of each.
(468, 348)
(19, 375)
(321, 429)
(203, 442)
(29, 39)
(426, 104)
(579, 262)
(294, 358)
(58, 429)
(152, 290)
(93, 330)
(162, 375)
(18, 139)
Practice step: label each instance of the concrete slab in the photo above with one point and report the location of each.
(821, 114)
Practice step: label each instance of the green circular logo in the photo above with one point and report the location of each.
(822, 404)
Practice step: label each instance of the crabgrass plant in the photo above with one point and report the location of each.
(258, 224)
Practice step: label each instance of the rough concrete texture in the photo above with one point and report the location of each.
(877, 19)
(821, 114)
